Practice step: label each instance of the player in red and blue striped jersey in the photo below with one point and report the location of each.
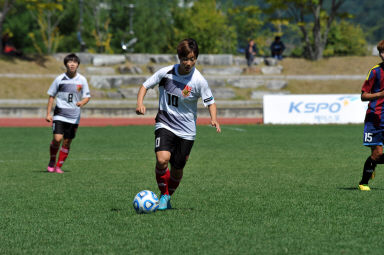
(373, 91)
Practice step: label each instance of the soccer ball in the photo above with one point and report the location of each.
(145, 202)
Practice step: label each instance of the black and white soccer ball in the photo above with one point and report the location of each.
(146, 202)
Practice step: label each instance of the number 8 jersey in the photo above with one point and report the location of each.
(68, 92)
(178, 96)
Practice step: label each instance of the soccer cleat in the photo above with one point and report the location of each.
(58, 170)
(51, 169)
(165, 202)
(364, 187)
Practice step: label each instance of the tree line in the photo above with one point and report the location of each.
(310, 28)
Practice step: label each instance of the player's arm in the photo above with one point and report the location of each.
(365, 96)
(213, 112)
(49, 108)
(140, 108)
(84, 101)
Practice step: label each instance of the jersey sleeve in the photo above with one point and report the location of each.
(369, 81)
(52, 91)
(206, 94)
(86, 92)
(152, 81)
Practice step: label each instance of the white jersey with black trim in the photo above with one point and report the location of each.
(178, 96)
(68, 91)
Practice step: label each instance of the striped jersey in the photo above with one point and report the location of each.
(68, 92)
(375, 83)
(178, 96)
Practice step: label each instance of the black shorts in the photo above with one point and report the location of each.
(64, 128)
(179, 148)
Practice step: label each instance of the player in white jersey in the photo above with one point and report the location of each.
(71, 92)
(180, 87)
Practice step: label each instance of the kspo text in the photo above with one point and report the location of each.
(312, 107)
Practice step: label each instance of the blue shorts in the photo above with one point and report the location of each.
(373, 135)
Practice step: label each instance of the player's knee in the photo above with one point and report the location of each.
(376, 156)
(162, 163)
(56, 141)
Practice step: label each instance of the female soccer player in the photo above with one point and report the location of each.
(72, 92)
(373, 91)
(180, 87)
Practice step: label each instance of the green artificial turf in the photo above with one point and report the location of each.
(249, 190)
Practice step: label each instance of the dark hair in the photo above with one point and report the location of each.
(380, 46)
(187, 46)
(71, 57)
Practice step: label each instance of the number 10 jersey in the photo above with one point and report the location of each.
(178, 96)
(68, 92)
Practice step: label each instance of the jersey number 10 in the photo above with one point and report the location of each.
(173, 100)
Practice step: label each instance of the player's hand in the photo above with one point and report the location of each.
(48, 118)
(140, 110)
(80, 103)
(216, 124)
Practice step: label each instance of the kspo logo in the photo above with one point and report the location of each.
(301, 107)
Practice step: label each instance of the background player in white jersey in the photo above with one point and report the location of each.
(72, 92)
(180, 87)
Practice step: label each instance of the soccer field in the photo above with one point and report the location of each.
(253, 189)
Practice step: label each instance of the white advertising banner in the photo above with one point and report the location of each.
(313, 109)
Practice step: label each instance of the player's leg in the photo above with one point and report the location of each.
(58, 132)
(164, 143)
(370, 164)
(162, 171)
(162, 178)
(69, 135)
(164, 146)
(178, 161)
(373, 139)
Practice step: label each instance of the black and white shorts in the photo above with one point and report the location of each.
(179, 148)
(65, 128)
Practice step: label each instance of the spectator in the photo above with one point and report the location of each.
(8, 47)
(250, 52)
(277, 48)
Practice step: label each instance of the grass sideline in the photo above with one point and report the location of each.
(253, 189)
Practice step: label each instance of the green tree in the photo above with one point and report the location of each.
(345, 39)
(313, 19)
(248, 24)
(206, 24)
(48, 16)
(152, 25)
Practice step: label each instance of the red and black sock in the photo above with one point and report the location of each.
(53, 149)
(162, 178)
(62, 156)
(173, 184)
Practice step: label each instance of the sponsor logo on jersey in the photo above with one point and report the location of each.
(208, 99)
(186, 91)
(79, 87)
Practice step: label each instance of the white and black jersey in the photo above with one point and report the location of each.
(178, 96)
(68, 92)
